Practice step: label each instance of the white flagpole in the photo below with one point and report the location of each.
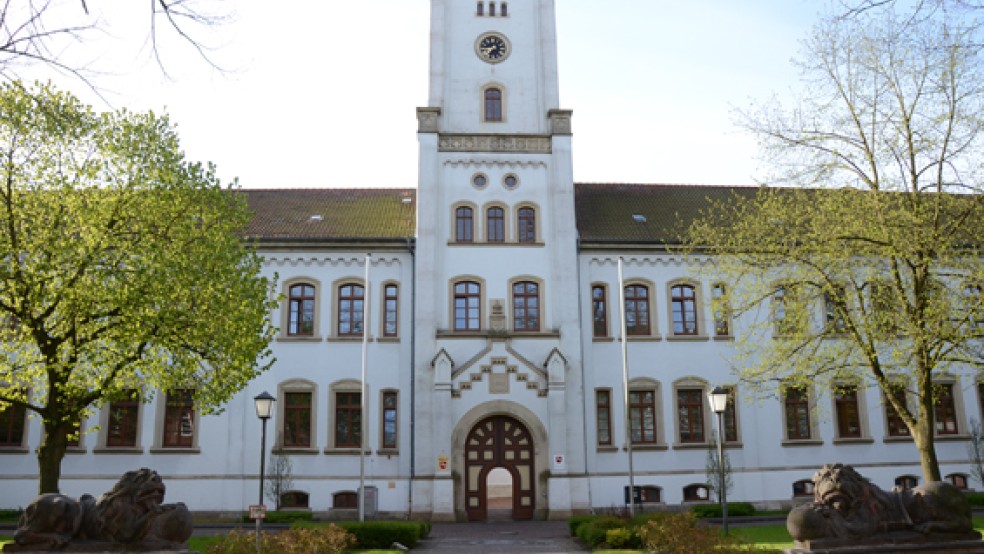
(625, 386)
(364, 425)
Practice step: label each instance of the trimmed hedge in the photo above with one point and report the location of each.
(382, 534)
(10, 514)
(576, 521)
(975, 498)
(736, 509)
(595, 531)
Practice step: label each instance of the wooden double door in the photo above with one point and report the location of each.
(499, 442)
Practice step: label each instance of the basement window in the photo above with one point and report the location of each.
(638, 218)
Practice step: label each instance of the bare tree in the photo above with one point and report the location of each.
(280, 478)
(34, 32)
(975, 450)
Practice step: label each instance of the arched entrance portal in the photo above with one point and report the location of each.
(499, 442)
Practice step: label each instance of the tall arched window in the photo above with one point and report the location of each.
(495, 224)
(493, 104)
(526, 306)
(683, 301)
(467, 306)
(301, 308)
(350, 309)
(526, 221)
(464, 224)
(637, 310)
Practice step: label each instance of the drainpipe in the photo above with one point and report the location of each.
(413, 371)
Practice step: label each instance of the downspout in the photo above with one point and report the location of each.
(584, 392)
(413, 371)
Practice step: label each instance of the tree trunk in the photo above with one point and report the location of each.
(50, 455)
(924, 436)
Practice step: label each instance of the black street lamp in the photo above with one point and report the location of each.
(719, 401)
(264, 409)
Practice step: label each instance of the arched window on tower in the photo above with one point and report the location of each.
(480, 9)
(463, 222)
(504, 10)
(493, 104)
(492, 8)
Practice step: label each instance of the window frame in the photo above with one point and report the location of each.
(603, 320)
(391, 309)
(841, 398)
(357, 431)
(346, 386)
(168, 405)
(133, 405)
(834, 323)
(295, 318)
(12, 417)
(678, 304)
(495, 227)
(286, 309)
(295, 386)
(946, 414)
(721, 310)
(493, 103)
(526, 297)
(803, 406)
(386, 407)
(603, 417)
(692, 492)
(647, 300)
(347, 304)
(644, 385)
(468, 296)
(527, 224)
(463, 220)
(895, 427)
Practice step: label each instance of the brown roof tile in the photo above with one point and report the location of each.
(605, 211)
(331, 214)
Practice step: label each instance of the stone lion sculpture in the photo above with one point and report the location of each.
(849, 510)
(132, 513)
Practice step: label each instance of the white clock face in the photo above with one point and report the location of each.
(492, 47)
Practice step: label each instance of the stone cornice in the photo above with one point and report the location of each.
(524, 144)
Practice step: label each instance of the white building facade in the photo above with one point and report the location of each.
(494, 341)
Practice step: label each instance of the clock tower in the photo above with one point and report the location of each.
(498, 382)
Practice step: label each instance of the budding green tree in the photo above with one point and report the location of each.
(870, 273)
(122, 272)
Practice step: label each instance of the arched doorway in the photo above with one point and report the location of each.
(499, 442)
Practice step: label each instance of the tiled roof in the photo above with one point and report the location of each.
(331, 214)
(630, 213)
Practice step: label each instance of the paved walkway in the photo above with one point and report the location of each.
(500, 537)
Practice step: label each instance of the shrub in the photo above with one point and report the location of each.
(382, 534)
(319, 540)
(682, 534)
(576, 521)
(11, 514)
(622, 538)
(594, 533)
(714, 510)
(975, 498)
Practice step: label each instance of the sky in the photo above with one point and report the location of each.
(324, 94)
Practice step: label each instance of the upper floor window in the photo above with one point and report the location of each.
(973, 306)
(351, 298)
(834, 307)
(721, 309)
(492, 8)
(526, 220)
(526, 306)
(883, 308)
(683, 300)
(495, 224)
(391, 303)
(301, 300)
(467, 306)
(786, 316)
(637, 310)
(504, 9)
(730, 417)
(599, 310)
(179, 419)
(480, 9)
(464, 224)
(493, 104)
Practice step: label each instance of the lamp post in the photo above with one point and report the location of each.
(264, 409)
(719, 401)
